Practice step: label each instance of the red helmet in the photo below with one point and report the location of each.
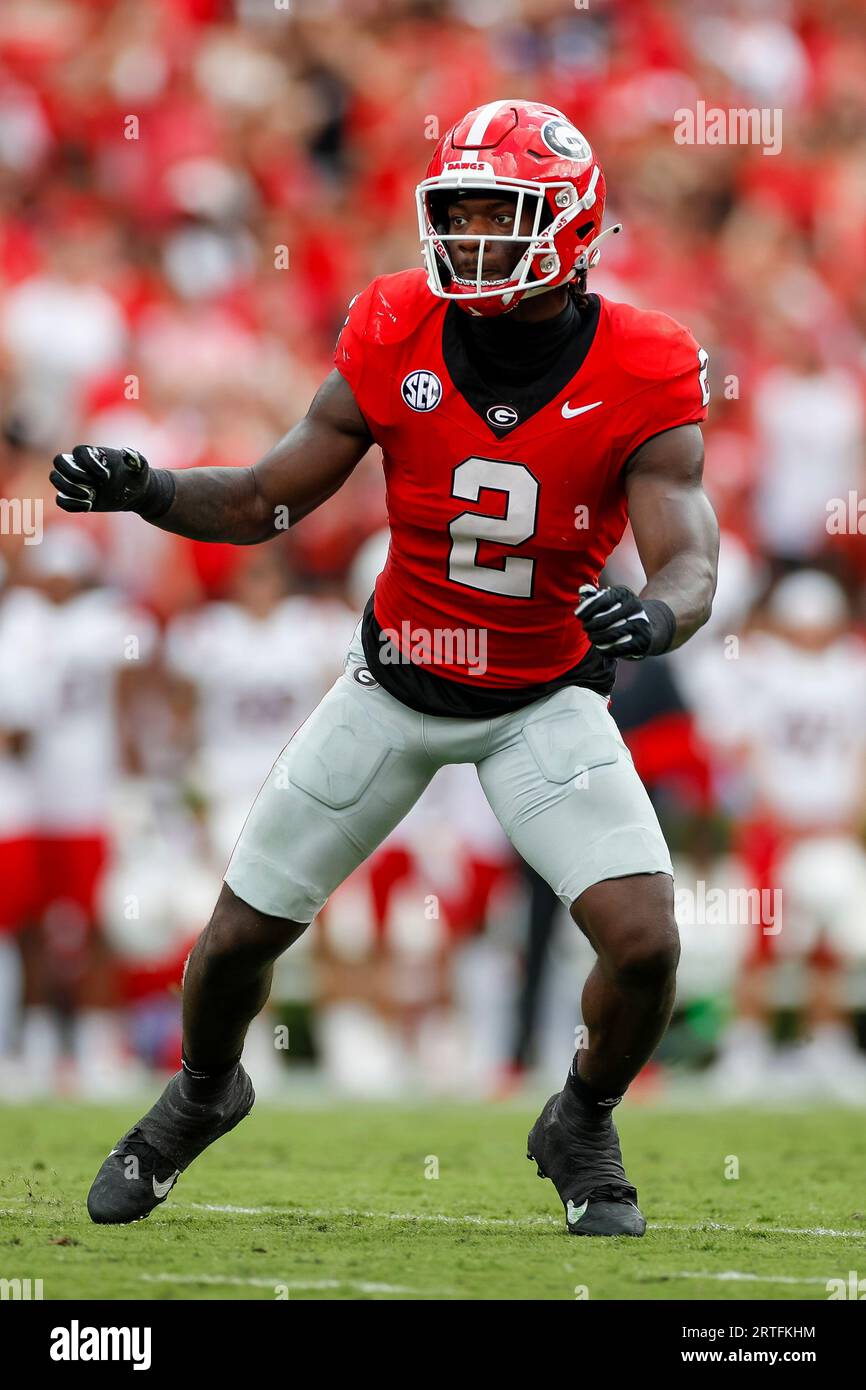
(531, 152)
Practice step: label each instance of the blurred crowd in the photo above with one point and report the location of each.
(191, 192)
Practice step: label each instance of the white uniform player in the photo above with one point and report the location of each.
(86, 642)
(85, 639)
(19, 705)
(258, 667)
(794, 707)
(18, 708)
(256, 679)
(807, 764)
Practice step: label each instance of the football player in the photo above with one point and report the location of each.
(790, 714)
(86, 649)
(522, 422)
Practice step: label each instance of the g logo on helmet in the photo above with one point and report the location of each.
(421, 390)
(503, 416)
(564, 139)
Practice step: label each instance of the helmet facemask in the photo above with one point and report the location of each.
(552, 206)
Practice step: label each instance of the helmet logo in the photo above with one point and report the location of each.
(564, 139)
(504, 417)
(421, 390)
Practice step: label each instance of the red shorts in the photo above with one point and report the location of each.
(140, 980)
(467, 912)
(18, 882)
(69, 870)
(463, 909)
(762, 844)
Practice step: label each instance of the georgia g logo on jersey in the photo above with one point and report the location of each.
(421, 390)
(504, 417)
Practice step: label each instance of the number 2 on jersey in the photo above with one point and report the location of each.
(513, 578)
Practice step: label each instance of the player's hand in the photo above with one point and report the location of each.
(93, 479)
(620, 623)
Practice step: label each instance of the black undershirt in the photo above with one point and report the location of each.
(508, 352)
(525, 365)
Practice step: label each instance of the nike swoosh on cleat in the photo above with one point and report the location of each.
(162, 1189)
(568, 413)
(573, 1213)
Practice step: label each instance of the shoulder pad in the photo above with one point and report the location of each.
(650, 345)
(391, 307)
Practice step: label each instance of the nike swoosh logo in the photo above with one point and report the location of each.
(573, 1213)
(162, 1189)
(569, 414)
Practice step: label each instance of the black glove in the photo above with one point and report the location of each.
(93, 479)
(617, 621)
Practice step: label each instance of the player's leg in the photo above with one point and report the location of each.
(628, 996)
(626, 1007)
(822, 882)
(340, 786)
(563, 785)
(70, 973)
(227, 980)
(744, 1069)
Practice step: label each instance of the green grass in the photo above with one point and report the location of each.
(347, 1208)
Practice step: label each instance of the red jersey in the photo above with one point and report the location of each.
(498, 511)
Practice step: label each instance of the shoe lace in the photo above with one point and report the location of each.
(613, 1192)
(150, 1162)
(583, 1139)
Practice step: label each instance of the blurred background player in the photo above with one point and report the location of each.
(18, 865)
(83, 647)
(247, 671)
(792, 711)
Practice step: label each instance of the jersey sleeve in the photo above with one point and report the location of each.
(352, 353)
(670, 388)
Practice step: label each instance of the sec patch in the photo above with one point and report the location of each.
(421, 390)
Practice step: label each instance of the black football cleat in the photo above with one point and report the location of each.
(580, 1154)
(145, 1164)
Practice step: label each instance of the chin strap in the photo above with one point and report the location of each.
(589, 256)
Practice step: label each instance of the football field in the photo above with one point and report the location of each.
(362, 1202)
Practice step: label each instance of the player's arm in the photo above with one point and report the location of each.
(240, 505)
(677, 537)
(675, 527)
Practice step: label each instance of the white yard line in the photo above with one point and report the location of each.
(737, 1276)
(756, 1230)
(290, 1285)
(492, 1222)
(437, 1218)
